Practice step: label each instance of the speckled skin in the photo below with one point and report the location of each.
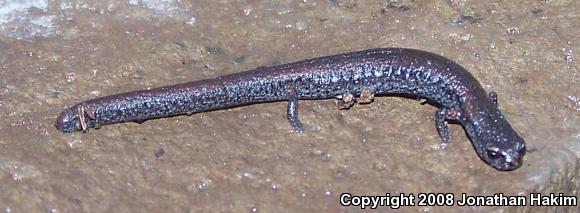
(457, 94)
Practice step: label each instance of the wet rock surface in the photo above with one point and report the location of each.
(54, 54)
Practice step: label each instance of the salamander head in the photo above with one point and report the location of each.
(68, 121)
(496, 142)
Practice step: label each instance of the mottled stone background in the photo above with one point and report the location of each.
(60, 52)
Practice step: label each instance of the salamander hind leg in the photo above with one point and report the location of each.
(442, 115)
(292, 110)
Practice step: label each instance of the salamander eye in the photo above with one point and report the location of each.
(492, 150)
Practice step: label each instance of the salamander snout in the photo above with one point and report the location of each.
(505, 159)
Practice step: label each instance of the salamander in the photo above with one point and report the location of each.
(354, 77)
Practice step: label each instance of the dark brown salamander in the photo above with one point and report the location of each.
(355, 76)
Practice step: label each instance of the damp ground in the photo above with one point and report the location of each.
(54, 54)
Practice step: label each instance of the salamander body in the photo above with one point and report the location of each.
(351, 77)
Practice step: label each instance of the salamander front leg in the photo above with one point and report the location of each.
(292, 110)
(441, 117)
